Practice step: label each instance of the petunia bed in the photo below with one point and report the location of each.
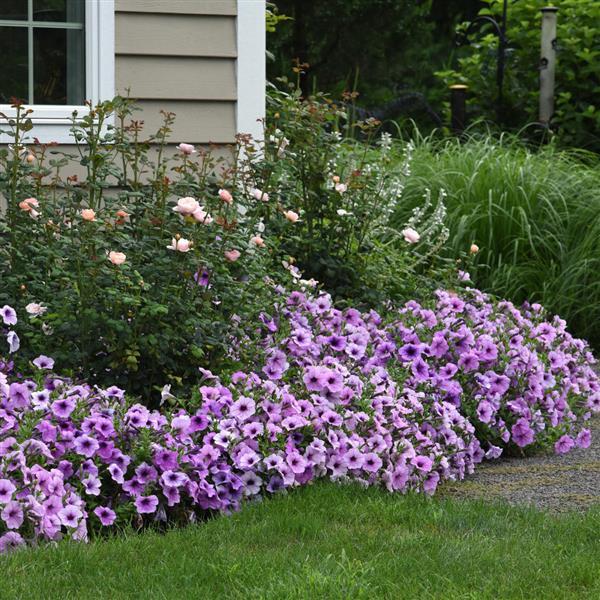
(406, 401)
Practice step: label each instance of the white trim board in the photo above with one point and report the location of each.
(51, 123)
(251, 67)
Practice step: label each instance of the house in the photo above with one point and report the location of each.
(201, 59)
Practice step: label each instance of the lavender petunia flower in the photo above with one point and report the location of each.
(106, 515)
(43, 362)
(9, 315)
(146, 504)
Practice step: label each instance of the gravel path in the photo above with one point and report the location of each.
(557, 483)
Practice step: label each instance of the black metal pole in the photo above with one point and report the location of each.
(458, 108)
(502, 43)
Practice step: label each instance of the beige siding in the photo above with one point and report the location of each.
(179, 56)
(206, 122)
(188, 7)
(190, 78)
(175, 35)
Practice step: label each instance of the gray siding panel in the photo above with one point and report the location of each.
(184, 78)
(196, 122)
(175, 35)
(189, 7)
(179, 56)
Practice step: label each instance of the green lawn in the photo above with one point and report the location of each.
(327, 541)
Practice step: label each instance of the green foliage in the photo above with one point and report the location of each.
(534, 215)
(344, 190)
(330, 541)
(162, 313)
(348, 49)
(577, 81)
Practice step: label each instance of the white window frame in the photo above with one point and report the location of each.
(51, 123)
(251, 67)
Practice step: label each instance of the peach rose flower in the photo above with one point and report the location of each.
(410, 235)
(226, 196)
(180, 245)
(117, 258)
(232, 255)
(186, 206)
(186, 149)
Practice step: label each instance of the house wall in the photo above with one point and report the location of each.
(180, 55)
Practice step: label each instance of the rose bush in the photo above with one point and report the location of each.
(134, 274)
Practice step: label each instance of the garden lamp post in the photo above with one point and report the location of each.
(547, 64)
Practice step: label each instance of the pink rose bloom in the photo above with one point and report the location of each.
(186, 149)
(474, 249)
(259, 195)
(202, 216)
(180, 245)
(117, 258)
(291, 216)
(226, 196)
(87, 214)
(410, 235)
(232, 255)
(257, 241)
(186, 206)
(28, 204)
(340, 187)
(35, 309)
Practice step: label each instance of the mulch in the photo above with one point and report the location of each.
(556, 483)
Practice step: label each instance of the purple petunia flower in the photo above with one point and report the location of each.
(91, 485)
(146, 504)
(165, 459)
(70, 516)
(354, 459)
(522, 434)
(584, 438)
(14, 343)
(106, 515)
(9, 315)
(242, 409)
(564, 444)
(202, 278)
(296, 462)
(12, 515)
(314, 379)
(86, 445)
(44, 362)
(372, 463)
(10, 541)
(146, 473)
(7, 489)
(174, 479)
(422, 463)
(63, 408)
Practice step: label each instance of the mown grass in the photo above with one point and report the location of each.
(534, 213)
(327, 541)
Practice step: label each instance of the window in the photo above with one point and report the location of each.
(56, 54)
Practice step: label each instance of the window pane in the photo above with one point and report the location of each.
(14, 10)
(65, 11)
(59, 66)
(13, 72)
